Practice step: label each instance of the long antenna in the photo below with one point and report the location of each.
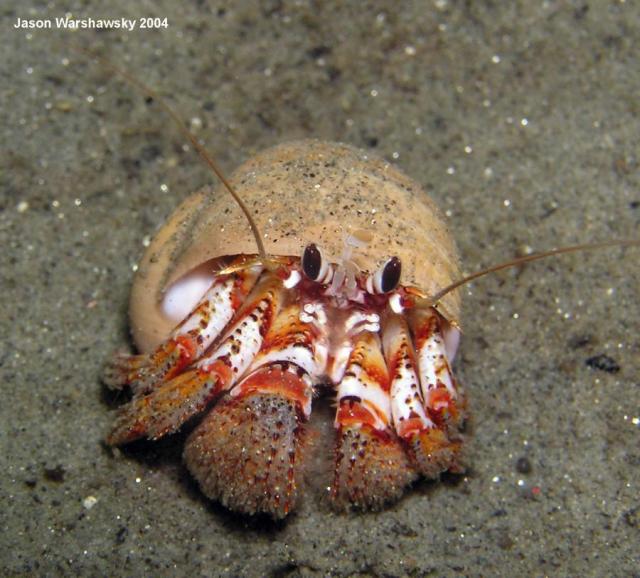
(526, 259)
(204, 155)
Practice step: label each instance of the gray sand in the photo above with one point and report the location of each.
(521, 122)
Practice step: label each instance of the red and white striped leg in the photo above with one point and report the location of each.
(371, 466)
(171, 403)
(247, 453)
(430, 449)
(440, 448)
(189, 340)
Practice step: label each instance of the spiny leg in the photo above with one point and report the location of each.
(371, 465)
(165, 408)
(247, 453)
(430, 447)
(189, 340)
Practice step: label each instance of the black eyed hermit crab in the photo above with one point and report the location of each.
(353, 247)
(345, 279)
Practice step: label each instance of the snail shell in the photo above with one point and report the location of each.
(299, 193)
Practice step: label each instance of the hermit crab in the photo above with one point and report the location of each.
(352, 249)
(324, 269)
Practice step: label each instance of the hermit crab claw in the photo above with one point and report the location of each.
(247, 453)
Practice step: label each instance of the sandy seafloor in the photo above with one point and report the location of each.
(520, 119)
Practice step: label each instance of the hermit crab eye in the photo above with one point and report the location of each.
(311, 261)
(315, 266)
(386, 278)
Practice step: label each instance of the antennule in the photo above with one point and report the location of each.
(204, 155)
(432, 301)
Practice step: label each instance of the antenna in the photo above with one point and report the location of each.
(204, 155)
(432, 301)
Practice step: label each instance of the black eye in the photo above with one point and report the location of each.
(390, 275)
(312, 262)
